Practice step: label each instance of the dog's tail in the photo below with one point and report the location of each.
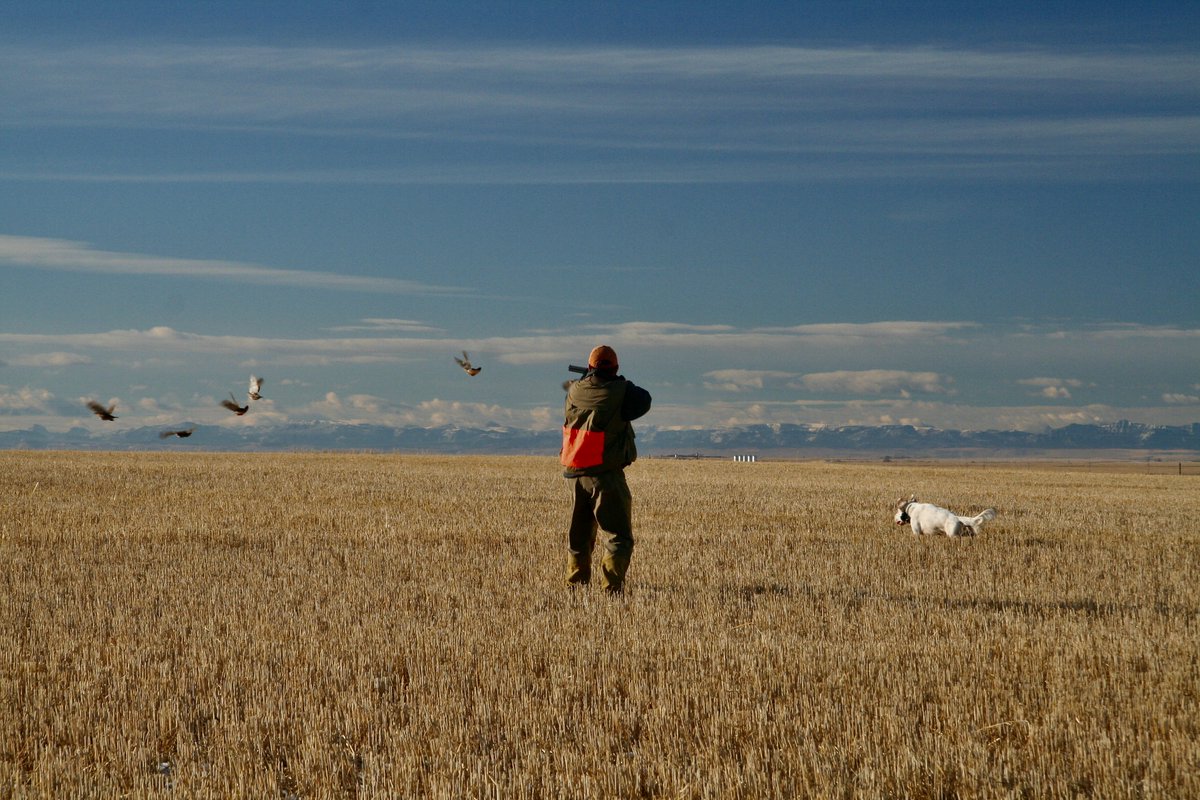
(977, 520)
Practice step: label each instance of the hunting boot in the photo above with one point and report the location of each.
(615, 565)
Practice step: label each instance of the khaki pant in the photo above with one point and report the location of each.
(601, 502)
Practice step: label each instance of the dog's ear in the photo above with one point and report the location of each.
(912, 498)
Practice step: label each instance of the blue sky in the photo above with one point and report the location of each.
(964, 215)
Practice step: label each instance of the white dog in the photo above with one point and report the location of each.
(928, 518)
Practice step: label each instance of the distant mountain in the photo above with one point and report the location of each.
(898, 440)
(911, 440)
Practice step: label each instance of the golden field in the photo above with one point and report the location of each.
(393, 626)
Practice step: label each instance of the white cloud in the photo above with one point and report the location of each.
(672, 359)
(1042, 382)
(326, 360)
(450, 412)
(386, 325)
(654, 328)
(909, 411)
(526, 357)
(1052, 388)
(62, 255)
(26, 400)
(162, 338)
(49, 360)
(516, 349)
(363, 408)
(270, 84)
(904, 329)
(785, 106)
(741, 380)
(1137, 331)
(1179, 399)
(876, 381)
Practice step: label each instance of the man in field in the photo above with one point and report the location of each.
(597, 445)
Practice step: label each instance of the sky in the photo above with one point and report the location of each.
(955, 214)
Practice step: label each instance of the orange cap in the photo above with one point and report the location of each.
(603, 358)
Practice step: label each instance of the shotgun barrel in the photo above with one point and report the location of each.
(578, 369)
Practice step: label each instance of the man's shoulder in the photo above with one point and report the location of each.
(593, 388)
(630, 386)
(636, 401)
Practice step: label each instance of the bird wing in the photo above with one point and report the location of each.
(101, 411)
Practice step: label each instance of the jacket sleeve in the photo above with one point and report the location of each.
(636, 402)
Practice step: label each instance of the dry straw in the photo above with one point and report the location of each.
(391, 626)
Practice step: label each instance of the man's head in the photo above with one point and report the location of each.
(603, 359)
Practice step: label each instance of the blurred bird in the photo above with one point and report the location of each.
(181, 434)
(232, 405)
(255, 384)
(102, 412)
(465, 363)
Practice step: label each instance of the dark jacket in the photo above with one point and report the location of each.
(597, 436)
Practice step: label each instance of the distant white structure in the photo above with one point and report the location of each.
(745, 458)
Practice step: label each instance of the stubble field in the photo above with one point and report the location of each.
(303, 625)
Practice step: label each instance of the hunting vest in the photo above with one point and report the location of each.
(595, 437)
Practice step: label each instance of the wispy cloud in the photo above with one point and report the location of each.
(769, 370)
(49, 360)
(268, 84)
(365, 408)
(388, 339)
(1180, 399)
(387, 325)
(57, 254)
(1052, 388)
(755, 113)
(26, 400)
(741, 380)
(162, 339)
(1140, 331)
(904, 329)
(877, 381)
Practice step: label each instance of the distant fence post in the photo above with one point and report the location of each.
(748, 459)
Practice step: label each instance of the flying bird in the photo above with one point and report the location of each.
(100, 411)
(255, 384)
(232, 405)
(465, 363)
(183, 434)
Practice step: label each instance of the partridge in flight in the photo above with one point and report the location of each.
(465, 363)
(102, 412)
(232, 405)
(183, 434)
(255, 384)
